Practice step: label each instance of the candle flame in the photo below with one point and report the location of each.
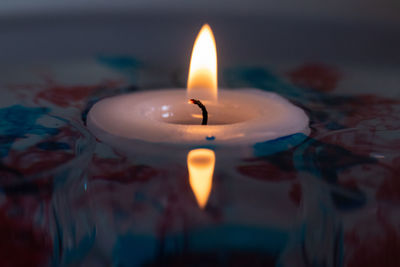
(201, 163)
(202, 79)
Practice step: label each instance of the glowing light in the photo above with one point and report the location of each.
(202, 79)
(201, 163)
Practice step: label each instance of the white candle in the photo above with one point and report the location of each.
(242, 116)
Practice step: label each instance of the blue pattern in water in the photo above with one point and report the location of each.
(126, 65)
(17, 122)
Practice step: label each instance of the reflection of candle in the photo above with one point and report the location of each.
(201, 164)
(245, 116)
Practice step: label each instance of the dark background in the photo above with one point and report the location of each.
(352, 31)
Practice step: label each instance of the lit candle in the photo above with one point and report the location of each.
(235, 117)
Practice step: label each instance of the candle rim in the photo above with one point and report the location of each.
(188, 132)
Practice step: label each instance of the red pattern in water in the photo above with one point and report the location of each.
(295, 194)
(120, 170)
(266, 171)
(373, 243)
(317, 76)
(390, 188)
(22, 243)
(67, 96)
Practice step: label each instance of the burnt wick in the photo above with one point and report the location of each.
(203, 110)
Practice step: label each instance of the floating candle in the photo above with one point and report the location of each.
(241, 116)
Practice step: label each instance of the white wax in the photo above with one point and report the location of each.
(244, 116)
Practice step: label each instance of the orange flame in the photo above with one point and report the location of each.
(201, 163)
(202, 80)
